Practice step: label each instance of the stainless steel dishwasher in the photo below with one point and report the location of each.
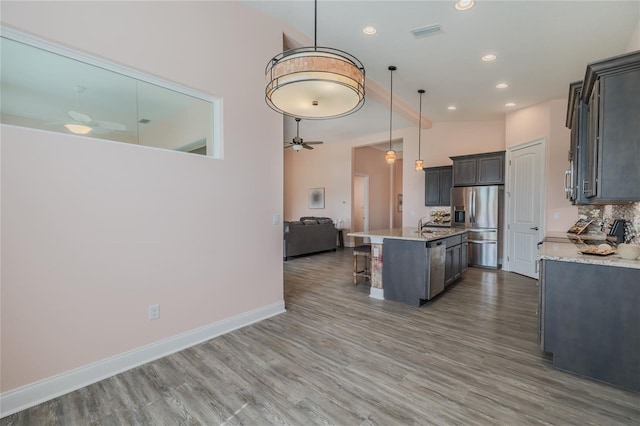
(437, 253)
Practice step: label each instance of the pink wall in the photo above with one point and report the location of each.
(546, 121)
(93, 232)
(370, 161)
(328, 166)
(397, 189)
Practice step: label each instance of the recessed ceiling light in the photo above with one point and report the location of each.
(489, 57)
(369, 30)
(464, 4)
(452, 108)
(502, 85)
(509, 104)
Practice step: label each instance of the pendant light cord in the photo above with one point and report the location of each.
(420, 127)
(315, 24)
(391, 110)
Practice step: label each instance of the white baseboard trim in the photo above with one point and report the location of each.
(376, 293)
(35, 393)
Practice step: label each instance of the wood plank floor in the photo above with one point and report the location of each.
(338, 357)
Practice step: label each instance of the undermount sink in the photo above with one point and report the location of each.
(424, 231)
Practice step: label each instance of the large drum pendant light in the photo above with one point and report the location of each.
(419, 164)
(316, 82)
(390, 155)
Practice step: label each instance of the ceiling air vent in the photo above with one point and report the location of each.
(427, 31)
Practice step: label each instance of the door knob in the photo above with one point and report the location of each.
(535, 228)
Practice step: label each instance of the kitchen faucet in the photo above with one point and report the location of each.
(421, 224)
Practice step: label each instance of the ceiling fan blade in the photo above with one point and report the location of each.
(314, 142)
(109, 125)
(78, 116)
(305, 146)
(288, 146)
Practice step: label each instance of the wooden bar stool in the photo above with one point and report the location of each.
(363, 250)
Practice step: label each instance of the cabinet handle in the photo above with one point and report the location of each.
(567, 188)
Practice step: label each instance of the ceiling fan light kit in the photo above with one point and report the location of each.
(298, 143)
(78, 129)
(316, 82)
(419, 164)
(390, 155)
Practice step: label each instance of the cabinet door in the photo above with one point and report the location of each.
(464, 257)
(455, 262)
(618, 154)
(431, 187)
(448, 266)
(446, 181)
(491, 170)
(464, 172)
(580, 154)
(589, 184)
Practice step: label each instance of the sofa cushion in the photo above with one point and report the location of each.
(310, 222)
(325, 220)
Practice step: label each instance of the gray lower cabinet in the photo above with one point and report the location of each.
(479, 169)
(456, 259)
(590, 320)
(437, 186)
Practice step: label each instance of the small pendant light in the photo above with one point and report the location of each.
(419, 164)
(390, 155)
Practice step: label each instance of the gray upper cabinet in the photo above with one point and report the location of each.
(479, 169)
(611, 93)
(437, 186)
(577, 122)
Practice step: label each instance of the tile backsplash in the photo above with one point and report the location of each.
(604, 215)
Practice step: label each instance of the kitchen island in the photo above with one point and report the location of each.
(418, 264)
(589, 316)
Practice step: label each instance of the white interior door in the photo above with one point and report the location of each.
(526, 206)
(360, 211)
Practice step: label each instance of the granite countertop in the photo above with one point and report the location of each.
(569, 251)
(428, 234)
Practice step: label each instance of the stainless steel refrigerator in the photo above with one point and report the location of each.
(479, 209)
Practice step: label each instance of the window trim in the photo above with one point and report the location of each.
(215, 149)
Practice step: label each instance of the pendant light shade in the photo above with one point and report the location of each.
(390, 156)
(315, 83)
(419, 164)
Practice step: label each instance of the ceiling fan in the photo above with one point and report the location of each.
(298, 143)
(81, 123)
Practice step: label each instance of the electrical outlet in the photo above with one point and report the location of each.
(154, 312)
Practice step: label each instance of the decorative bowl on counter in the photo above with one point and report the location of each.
(629, 251)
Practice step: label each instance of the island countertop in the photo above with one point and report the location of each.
(428, 234)
(554, 248)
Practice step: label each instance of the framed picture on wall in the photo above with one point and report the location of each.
(316, 198)
(399, 202)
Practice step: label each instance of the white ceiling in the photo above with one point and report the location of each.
(541, 47)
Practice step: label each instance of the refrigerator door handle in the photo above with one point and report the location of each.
(473, 206)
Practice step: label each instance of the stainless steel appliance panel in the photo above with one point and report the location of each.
(483, 253)
(484, 206)
(478, 209)
(437, 258)
(482, 234)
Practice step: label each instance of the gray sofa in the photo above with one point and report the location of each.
(308, 235)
